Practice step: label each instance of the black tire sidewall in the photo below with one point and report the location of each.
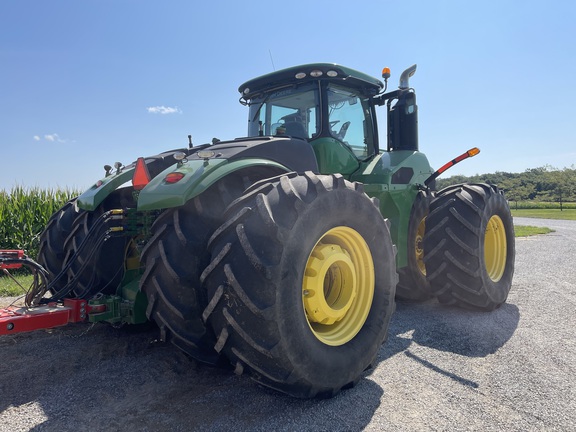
(303, 347)
(51, 252)
(454, 246)
(413, 285)
(496, 205)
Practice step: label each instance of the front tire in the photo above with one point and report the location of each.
(469, 246)
(301, 284)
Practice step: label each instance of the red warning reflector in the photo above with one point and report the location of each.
(141, 175)
(174, 177)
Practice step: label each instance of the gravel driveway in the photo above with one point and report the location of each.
(442, 369)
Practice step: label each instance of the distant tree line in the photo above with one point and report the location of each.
(544, 184)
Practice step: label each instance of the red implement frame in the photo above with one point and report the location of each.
(10, 255)
(20, 320)
(24, 319)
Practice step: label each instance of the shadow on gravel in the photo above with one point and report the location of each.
(448, 329)
(121, 379)
(463, 332)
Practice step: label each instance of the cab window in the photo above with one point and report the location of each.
(290, 111)
(350, 121)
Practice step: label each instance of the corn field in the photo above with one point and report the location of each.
(24, 213)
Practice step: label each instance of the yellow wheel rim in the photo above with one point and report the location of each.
(418, 248)
(338, 286)
(495, 248)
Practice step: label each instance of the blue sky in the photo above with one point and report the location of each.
(88, 83)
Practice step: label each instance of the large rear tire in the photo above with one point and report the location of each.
(51, 253)
(469, 246)
(412, 282)
(174, 259)
(301, 284)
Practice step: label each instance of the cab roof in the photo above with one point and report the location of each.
(311, 72)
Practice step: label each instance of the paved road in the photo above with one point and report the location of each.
(442, 369)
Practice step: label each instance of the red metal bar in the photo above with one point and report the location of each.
(19, 320)
(472, 152)
(10, 254)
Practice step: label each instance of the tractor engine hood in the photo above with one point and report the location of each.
(173, 182)
(295, 154)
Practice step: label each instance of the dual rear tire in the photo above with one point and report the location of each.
(460, 248)
(176, 255)
(469, 247)
(301, 284)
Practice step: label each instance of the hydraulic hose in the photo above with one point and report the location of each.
(95, 246)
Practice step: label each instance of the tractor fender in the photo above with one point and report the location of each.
(198, 175)
(91, 198)
(204, 165)
(100, 190)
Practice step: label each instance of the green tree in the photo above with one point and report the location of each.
(546, 183)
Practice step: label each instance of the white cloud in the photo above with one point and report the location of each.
(51, 138)
(163, 110)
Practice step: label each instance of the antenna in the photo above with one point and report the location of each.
(272, 60)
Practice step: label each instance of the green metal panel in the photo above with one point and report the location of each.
(198, 176)
(134, 303)
(90, 199)
(128, 305)
(380, 177)
(334, 157)
(382, 168)
(128, 308)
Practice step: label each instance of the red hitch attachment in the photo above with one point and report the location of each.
(9, 255)
(20, 320)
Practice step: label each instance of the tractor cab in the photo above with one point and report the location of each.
(330, 106)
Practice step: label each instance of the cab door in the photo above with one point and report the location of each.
(347, 133)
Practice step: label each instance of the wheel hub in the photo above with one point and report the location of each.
(329, 284)
(495, 248)
(338, 286)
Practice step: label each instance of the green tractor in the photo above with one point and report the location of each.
(281, 253)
